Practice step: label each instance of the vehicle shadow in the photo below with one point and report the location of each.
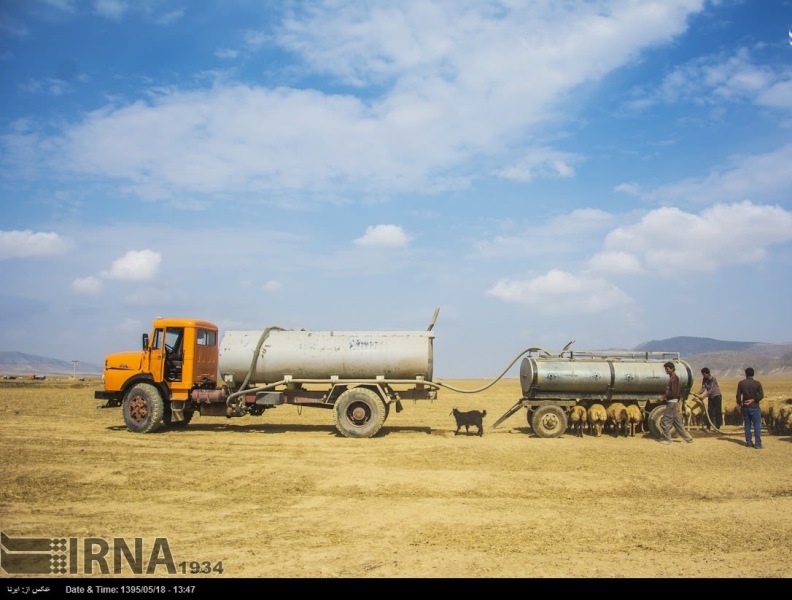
(273, 428)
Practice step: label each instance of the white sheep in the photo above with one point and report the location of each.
(578, 419)
(783, 420)
(597, 415)
(694, 413)
(634, 418)
(733, 415)
(617, 417)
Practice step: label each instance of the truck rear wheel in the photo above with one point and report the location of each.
(143, 408)
(549, 421)
(359, 413)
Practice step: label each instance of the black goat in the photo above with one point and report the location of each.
(466, 419)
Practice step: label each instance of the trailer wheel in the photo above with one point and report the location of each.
(549, 421)
(654, 422)
(359, 413)
(143, 408)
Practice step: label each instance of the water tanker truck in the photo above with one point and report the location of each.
(184, 369)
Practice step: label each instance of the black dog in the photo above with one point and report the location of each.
(466, 419)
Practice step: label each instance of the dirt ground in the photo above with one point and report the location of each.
(283, 495)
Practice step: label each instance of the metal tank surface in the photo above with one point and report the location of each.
(323, 354)
(636, 376)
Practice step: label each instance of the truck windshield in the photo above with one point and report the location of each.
(173, 340)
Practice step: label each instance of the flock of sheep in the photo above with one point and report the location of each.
(617, 418)
(776, 416)
(629, 418)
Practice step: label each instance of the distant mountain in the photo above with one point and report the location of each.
(18, 363)
(727, 359)
(687, 346)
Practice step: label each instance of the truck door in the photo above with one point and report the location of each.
(166, 355)
(174, 353)
(156, 355)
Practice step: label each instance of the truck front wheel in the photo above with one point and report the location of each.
(359, 413)
(549, 421)
(143, 408)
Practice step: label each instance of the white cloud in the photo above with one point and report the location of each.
(226, 53)
(616, 263)
(462, 37)
(27, 244)
(670, 240)
(135, 265)
(747, 177)
(168, 18)
(777, 95)
(540, 163)
(87, 285)
(12, 27)
(632, 189)
(383, 236)
(272, 286)
(111, 9)
(255, 39)
(559, 292)
(64, 5)
(454, 82)
(580, 227)
(715, 79)
(48, 85)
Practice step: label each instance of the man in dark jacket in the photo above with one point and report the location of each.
(671, 415)
(749, 394)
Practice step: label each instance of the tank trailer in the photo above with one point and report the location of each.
(552, 384)
(184, 369)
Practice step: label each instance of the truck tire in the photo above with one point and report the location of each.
(143, 408)
(654, 422)
(549, 421)
(359, 413)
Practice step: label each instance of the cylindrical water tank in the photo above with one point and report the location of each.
(322, 354)
(599, 377)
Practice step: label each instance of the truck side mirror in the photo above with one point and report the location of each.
(145, 341)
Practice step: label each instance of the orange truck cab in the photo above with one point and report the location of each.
(153, 385)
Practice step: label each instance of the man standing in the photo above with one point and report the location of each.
(671, 414)
(749, 394)
(715, 399)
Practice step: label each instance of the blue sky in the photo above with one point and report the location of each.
(609, 172)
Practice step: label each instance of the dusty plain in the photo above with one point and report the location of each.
(284, 495)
